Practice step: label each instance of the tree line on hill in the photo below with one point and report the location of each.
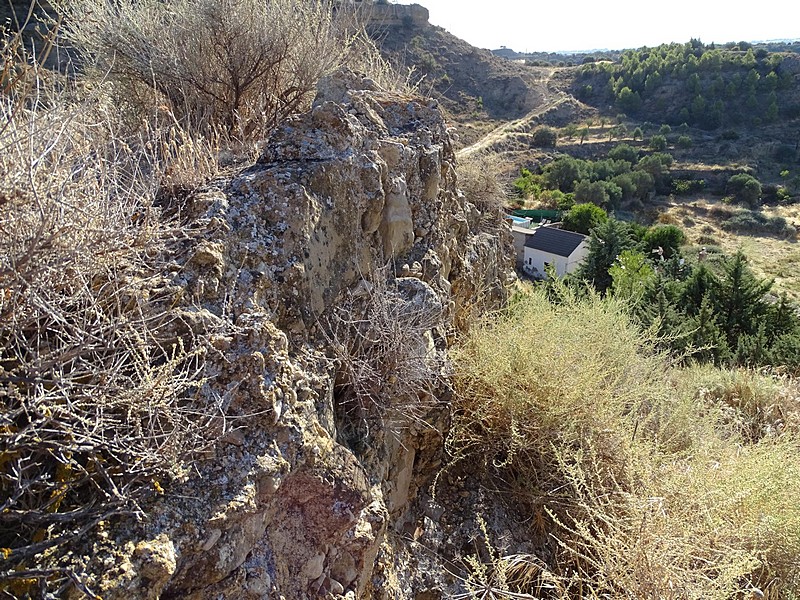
(628, 176)
(705, 86)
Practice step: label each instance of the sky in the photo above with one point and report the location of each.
(577, 25)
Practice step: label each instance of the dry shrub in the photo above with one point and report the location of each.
(479, 178)
(721, 524)
(523, 387)
(238, 67)
(753, 404)
(101, 385)
(647, 485)
(389, 369)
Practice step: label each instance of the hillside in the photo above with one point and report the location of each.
(261, 338)
(476, 88)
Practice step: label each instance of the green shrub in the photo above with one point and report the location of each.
(527, 184)
(745, 189)
(624, 152)
(582, 218)
(684, 187)
(667, 237)
(751, 221)
(544, 137)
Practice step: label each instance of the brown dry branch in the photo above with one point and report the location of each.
(382, 338)
(236, 66)
(102, 396)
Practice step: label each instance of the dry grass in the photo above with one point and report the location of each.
(479, 176)
(770, 256)
(654, 482)
(389, 370)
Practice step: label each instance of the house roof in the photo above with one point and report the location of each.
(555, 241)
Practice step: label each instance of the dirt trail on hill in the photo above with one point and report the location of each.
(551, 99)
(522, 125)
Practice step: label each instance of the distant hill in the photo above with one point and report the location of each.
(467, 79)
(709, 87)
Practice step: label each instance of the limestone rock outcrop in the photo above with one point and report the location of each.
(299, 494)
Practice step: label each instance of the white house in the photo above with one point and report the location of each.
(564, 250)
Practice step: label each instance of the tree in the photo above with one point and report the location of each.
(544, 137)
(745, 189)
(602, 193)
(625, 152)
(700, 284)
(607, 241)
(527, 184)
(658, 143)
(563, 172)
(740, 299)
(631, 276)
(706, 338)
(666, 237)
(582, 218)
(657, 166)
(628, 101)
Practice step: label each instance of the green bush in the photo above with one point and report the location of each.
(751, 221)
(544, 137)
(527, 184)
(658, 143)
(582, 218)
(683, 187)
(667, 237)
(745, 189)
(624, 152)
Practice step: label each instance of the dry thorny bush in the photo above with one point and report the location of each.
(101, 389)
(232, 67)
(382, 337)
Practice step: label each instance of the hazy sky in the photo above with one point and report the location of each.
(555, 25)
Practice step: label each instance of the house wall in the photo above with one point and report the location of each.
(578, 255)
(534, 260)
(520, 235)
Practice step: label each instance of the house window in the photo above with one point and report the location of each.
(530, 261)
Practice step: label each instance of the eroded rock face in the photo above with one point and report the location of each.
(296, 501)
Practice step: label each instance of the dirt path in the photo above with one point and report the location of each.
(522, 125)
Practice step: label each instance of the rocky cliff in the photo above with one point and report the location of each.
(332, 272)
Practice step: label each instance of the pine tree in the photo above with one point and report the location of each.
(706, 336)
(606, 243)
(701, 283)
(740, 299)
